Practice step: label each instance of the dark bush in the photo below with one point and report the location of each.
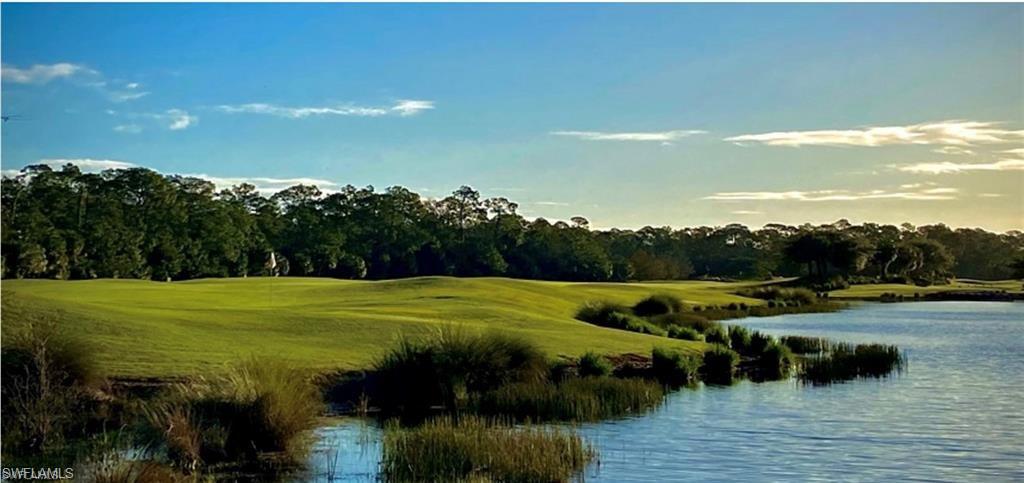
(697, 322)
(739, 338)
(446, 367)
(658, 304)
(719, 364)
(673, 367)
(684, 333)
(717, 335)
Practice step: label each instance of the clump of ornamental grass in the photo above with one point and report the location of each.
(479, 449)
(719, 364)
(673, 367)
(574, 399)
(48, 378)
(593, 364)
(775, 361)
(684, 333)
(254, 409)
(805, 345)
(447, 367)
(658, 304)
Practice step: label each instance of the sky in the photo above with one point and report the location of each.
(628, 115)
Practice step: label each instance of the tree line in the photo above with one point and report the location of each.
(137, 223)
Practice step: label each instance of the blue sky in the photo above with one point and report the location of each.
(627, 114)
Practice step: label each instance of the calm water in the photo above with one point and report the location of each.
(957, 414)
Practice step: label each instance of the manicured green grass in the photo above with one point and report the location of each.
(158, 329)
(872, 291)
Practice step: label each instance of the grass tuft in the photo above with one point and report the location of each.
(575, 399)
(479, 449)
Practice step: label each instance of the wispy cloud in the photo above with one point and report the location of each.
(835, 195)
(89, 165)
(41, 73)
(267, 186)
(128, 128)
(946, 167)
(746, 212)
(173, 119)
(410, 107)
(990, 195)
(550, 203)
(116, 91)
(658, 136)
(953, 150)
(950, 133)
(403, 108)
(264, 185)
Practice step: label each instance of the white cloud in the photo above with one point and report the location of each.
(989, 195)
(179, 119)
(1016, 152)
(128, 128)
(401, 108)
(411, 107)
(662, 136)
(267, 186)
(122, 96)
(834, 195)
(952, 150)
(40, 73)
(746, 212)
(87, 164)
(951, 167)
(949, 133)
(550, 203)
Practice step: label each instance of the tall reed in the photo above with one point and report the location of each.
(480, 449)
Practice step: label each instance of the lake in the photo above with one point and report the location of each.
(955, 414)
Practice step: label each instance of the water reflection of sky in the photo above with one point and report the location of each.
(956, 414)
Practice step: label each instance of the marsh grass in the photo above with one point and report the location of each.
(845, 362)
(47, 386)
(574, 399)
(445, 368)
(480, 449)
(593, 364)
(805, 345)
(256, 408)
(690, 320)
(674, 368)
(719, 364)
(775, 361)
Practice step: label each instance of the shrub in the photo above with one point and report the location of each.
(645, 327)
(574, 399)
(658, 304)
(717, 335)
(257, 407)
(684, 333)
(598, 313)
(47, 377)
(672, 367)
(739, 338)
(719, 364)
(592, 364)
(699, 323)
(474, 448)
(448, 366)
(799, 295)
